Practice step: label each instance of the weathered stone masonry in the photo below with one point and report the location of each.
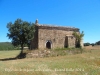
(53, 37)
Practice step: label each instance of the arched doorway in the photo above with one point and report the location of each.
(48, 45)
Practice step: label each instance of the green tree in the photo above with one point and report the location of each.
(78, 37)
(97, 43)
(20, 32)
(87, 44)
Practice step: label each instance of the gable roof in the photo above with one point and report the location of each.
(54, 27)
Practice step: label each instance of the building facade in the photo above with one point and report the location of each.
(51, 37)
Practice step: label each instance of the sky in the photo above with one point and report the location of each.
(82, 14)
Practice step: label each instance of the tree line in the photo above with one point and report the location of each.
(96, 43)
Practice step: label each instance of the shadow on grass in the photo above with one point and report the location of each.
(19, 56)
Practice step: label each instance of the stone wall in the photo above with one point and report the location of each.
(34, 42)
(70, 41)
(58, 37)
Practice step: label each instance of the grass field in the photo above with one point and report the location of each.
(87, 63)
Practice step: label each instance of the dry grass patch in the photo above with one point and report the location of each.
(87, 63)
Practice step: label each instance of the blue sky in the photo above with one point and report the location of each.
(83, 14)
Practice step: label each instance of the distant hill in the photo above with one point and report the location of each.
(7, 46)
(5, 42)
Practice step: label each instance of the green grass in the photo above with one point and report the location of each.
(9, 54)
(87, 63)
